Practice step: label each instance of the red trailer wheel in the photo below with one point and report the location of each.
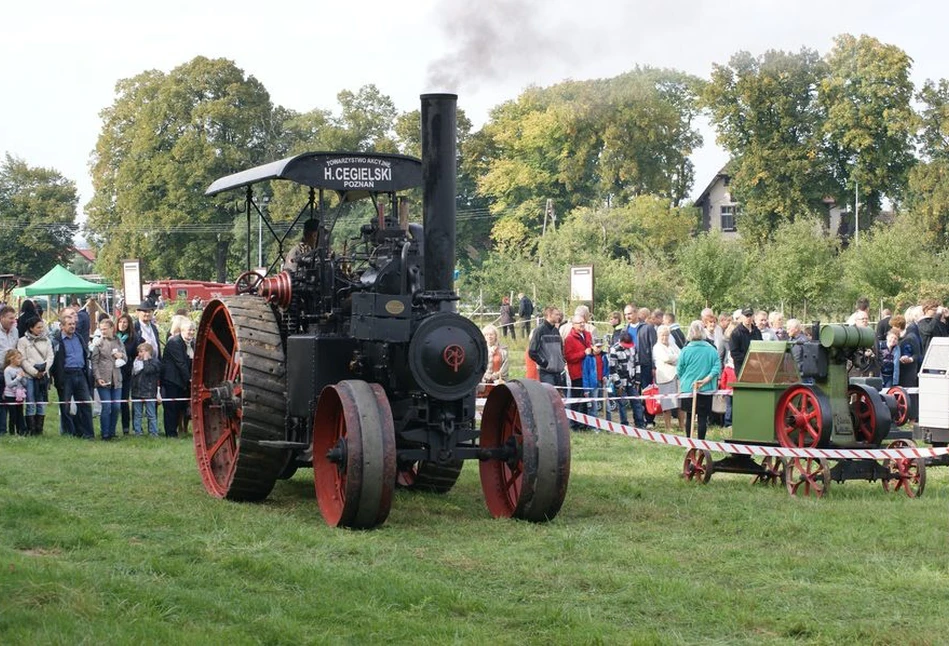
(905, 474)
(802, 418)
(697, 466)
(527, 422)
(773, 471)
(807, 477)
(354, 457)
(902, 404)
(238, 398)
(425, 475)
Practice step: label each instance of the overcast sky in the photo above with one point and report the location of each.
(61, 60)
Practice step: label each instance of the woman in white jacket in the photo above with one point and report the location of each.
(665, 355)
(37, 351)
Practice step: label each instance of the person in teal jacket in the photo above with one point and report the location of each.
(698, 369)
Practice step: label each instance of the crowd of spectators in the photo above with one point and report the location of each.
(647, 352)
(101, 367)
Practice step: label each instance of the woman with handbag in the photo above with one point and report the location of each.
(37, 351)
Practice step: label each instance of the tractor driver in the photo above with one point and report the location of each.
(313, 236)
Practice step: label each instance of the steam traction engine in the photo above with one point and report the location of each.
(356, 362)
(820, 407)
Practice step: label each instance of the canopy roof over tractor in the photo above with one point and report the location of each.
(59, 280)
(353, 175)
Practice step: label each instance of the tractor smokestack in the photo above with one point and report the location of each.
(439, 179)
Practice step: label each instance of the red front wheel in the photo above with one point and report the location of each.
(354, 455)
(525, 427)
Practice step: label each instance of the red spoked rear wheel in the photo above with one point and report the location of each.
(424, 475)
(238, 398)
(525, 425)
(354, 455)
(802, 418)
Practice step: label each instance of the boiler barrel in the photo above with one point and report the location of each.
(439, 179)
(846, 336)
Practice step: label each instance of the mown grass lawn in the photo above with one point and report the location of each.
(119, 544)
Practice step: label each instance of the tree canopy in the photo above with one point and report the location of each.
(37, 218)
(582, 143)
(165, 138)
(583, 171)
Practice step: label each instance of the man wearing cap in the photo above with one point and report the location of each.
(146, 329)
(742, 336)
(311, 240)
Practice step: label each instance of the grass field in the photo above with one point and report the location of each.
(119, 544)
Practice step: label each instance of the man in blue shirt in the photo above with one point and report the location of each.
(71, 377)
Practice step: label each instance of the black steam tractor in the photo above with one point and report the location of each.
(355, 361)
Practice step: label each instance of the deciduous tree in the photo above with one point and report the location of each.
(37, 218)
(766, 114)
(870, 123)
(164, 139)
(586, 143)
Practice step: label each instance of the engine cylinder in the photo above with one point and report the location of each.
(846, 336)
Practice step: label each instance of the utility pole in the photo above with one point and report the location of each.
(548, 212)
(856, 211)
(265, 202)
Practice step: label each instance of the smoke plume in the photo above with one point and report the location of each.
(493, 40)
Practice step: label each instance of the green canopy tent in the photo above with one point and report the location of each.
(59, 280)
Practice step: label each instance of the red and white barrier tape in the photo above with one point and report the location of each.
(722, 391)
(99, 401)
(751, 449)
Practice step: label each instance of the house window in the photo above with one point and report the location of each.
(728, 217)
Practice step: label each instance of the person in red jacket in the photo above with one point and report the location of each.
(576, 346)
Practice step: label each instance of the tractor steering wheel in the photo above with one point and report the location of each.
(248, 283)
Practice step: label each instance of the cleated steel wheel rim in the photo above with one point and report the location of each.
(238, 398)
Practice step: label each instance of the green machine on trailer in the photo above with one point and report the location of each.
(819, 406)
